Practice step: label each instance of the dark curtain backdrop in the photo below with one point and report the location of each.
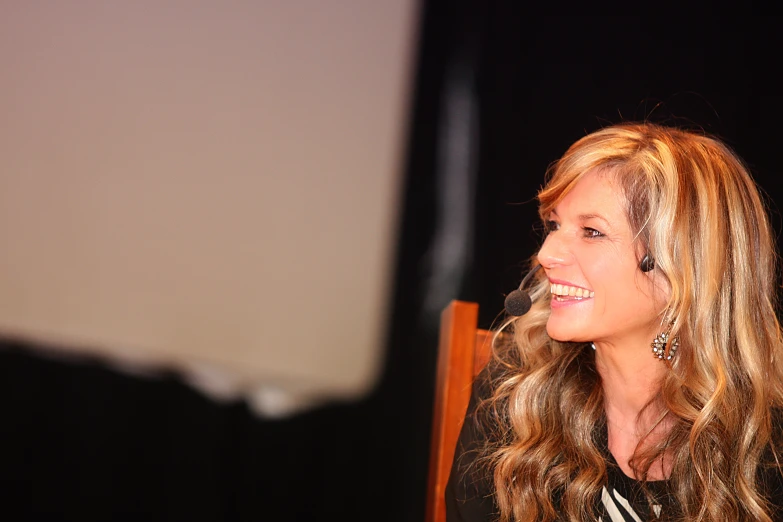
(499, 94)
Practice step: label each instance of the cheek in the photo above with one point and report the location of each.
(608, 272)
(618, 283)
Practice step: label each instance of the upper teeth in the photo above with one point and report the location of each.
(573, 291)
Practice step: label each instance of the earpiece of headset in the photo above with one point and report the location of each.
(647, 263)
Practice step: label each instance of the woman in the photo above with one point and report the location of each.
(645, 382)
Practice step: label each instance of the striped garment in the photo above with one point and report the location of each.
(616, 508)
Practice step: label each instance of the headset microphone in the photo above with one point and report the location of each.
(519, 302)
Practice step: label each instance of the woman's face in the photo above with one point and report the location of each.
(599, 293)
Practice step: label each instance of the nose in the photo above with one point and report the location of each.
(555, 252)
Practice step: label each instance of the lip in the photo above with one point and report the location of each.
(564, 282)
(554, 303)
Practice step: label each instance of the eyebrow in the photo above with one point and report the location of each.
(585, 217)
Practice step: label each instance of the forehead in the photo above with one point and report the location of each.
(595, 194)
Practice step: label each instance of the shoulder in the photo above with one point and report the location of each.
(770, 471)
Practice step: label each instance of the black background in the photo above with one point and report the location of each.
(79, 441)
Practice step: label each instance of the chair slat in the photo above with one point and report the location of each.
(463, 350)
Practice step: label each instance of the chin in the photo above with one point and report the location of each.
(565, 334)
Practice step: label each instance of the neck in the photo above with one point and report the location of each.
(630, 379)
(631, 376)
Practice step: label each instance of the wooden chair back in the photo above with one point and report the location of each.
(463, 350)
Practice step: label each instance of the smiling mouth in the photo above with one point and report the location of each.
(570, 293)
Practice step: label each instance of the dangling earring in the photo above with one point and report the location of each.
(660, 342)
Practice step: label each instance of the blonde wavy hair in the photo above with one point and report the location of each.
(697, 210)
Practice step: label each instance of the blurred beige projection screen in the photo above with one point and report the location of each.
(205, 186)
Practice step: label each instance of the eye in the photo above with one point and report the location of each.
(551, 226)
(591, 232)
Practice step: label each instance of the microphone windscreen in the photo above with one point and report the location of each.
(518, 302)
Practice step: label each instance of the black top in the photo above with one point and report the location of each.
(470, 498)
